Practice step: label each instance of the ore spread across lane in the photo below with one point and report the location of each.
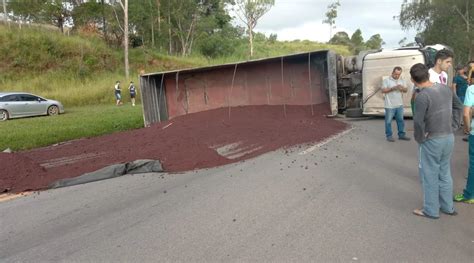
(199, 140)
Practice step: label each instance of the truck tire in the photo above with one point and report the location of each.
(354, 113)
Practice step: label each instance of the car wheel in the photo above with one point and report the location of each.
(3, 115)
(53, 110)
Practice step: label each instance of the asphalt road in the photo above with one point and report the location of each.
(348, 200)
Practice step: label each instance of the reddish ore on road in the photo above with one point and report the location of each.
(200, 140)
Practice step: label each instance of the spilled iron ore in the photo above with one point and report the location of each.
(190, 143)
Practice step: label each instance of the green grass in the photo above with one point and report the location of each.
(78, 122)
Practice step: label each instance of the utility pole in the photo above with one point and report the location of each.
(5, 14)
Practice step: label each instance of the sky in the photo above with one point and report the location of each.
(302, 19)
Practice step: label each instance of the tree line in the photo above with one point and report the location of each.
(175, 26)
(442, 21)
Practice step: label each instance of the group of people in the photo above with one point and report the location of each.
(118, 93)
(437, 110)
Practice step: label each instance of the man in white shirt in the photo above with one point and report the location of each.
(443, 60)
(392, 88)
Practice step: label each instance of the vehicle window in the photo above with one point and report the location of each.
(9, 98)
(27, 97)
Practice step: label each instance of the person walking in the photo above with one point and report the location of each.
(118, 93)
(437, 115)
(468, 194)
(392, 88)
(133, 92)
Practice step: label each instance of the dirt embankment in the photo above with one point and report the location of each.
(195, 141)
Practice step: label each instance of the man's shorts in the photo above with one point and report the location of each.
(132, 95)
(118, 96)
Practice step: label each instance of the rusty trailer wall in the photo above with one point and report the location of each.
(300, 79)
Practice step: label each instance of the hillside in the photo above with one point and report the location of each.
(81, 69)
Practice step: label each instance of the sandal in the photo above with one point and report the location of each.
(419, 212)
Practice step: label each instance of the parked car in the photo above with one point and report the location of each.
(21, 104)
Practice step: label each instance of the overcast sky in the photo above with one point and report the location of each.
(302, 19)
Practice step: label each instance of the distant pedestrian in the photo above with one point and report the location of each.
(443, 60)
(468, 194)
(118, 93)
(460, 82)
(392, 88)
(133, 92)
(437, 115)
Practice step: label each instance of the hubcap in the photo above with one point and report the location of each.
(53, 110)
(3, 115)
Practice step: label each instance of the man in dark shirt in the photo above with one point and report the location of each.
(437, 115)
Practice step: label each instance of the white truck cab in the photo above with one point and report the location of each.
(371, 68)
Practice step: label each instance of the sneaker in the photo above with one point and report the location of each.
(460, 198)
(390, 139)
(404, 138)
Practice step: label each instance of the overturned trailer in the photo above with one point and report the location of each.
(349, 85)
(299, 79)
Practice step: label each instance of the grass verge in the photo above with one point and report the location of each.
(78, 122)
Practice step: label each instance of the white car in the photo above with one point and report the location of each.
(21, 104)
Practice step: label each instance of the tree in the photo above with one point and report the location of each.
(436, 18)
(331, 16)
(89, 14)
(340, 38)
(28, 12)
(356, 38)
(215, 35)
(249, 12)
(187, 21)
(56, 12)
(357, 42)
(375, 42)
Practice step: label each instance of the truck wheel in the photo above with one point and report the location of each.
(354, 113)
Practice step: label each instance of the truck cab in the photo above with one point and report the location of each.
(360, 78)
